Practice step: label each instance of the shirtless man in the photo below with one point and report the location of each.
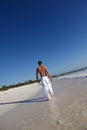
(45, 79)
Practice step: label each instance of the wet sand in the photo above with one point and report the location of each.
(67, 110)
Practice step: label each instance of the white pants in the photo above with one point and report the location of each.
(46, 83)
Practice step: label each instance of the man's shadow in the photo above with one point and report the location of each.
(43, 99)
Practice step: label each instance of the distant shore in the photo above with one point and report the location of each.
(82, 72)
(67, 110)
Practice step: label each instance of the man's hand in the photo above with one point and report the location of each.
(51, 79)
(38, 81)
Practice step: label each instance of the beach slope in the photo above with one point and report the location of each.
(67, 110)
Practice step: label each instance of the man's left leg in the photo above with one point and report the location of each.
(50, 88)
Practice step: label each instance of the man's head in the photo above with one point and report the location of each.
(39, 63)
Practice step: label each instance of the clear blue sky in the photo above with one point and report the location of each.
(54, 31)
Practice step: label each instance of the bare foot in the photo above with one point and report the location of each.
(52, 94)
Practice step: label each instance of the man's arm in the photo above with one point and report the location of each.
(37, 75)
(48, 74)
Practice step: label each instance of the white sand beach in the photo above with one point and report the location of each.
(14, 95)
(26, 108)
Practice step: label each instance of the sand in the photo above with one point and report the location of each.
(10, 98)
(67, 110)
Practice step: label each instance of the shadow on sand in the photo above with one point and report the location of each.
(43, 99)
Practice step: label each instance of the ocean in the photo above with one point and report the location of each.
(82, 73)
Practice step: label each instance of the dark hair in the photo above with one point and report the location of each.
(39, 62)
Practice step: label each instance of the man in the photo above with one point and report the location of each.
(45, 79)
